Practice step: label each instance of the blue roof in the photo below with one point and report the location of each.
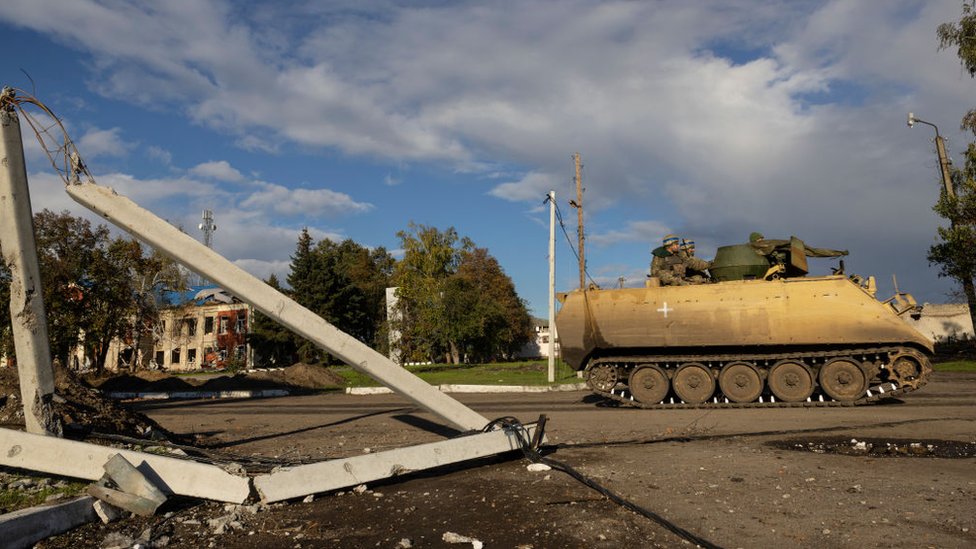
(173, 297)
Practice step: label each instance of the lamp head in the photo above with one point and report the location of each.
(911, 119)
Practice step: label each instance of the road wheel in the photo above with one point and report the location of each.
(602, 377)
(740, 382)
(648, 384)
(842, 379)
(906, 368)
(693, 383)
(790, 381)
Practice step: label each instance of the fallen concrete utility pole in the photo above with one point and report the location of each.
(22, 529)
(85, 461)
(314, 478)
(27, 318)
(166, 238)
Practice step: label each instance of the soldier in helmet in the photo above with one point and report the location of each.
(695, 269)
(670, 266)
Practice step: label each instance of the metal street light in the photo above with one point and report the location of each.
(941, 150)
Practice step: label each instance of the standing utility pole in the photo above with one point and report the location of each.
(552, 286)
(578, 204)
(28, 321)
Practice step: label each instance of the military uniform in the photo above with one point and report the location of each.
(674, 268)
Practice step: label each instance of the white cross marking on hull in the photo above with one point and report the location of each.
(665, 309)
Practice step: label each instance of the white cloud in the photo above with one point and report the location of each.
(307, 202)
(160, 154)
(97, 142)
(220, 170)
(712, 118)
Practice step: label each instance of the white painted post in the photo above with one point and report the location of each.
(168, 239)
(27, 318)
(552, 286)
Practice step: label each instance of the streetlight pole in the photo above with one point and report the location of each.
(941, 151)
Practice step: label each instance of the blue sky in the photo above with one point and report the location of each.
(354, 118)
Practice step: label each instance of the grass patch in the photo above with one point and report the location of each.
(12, 499)
(503, 373)
(955, 366)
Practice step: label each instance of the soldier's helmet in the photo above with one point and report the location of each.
(688, 246)
(755, 237)
(670, 239)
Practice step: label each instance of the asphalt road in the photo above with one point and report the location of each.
(868, 476)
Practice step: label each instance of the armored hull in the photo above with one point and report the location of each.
(805, 341)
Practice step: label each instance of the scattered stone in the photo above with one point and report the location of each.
(856, 489)
(405, 543)
(451, 537)
(537, 467)
(360, 489)
(309, 499)
(117, 540)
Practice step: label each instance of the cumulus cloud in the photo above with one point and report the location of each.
(97, 142)
(307, 202)
(713, 119)
(220, 170)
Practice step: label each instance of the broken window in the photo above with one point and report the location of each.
(191, 326)
(191, 356)
(208, 325)
(223, 325)
(159, 358)
(174, 356)
(241, 324)
(239, 352)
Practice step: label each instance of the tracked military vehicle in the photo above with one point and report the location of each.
(763, 333)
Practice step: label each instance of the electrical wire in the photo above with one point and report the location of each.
(532, 454)
(562, 225)
(63, 155)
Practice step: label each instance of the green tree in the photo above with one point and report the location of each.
(506, 324)
(273, 344)
(87, 284)
(455, 300)
(954, 254)
(344, 283)
(430, 258)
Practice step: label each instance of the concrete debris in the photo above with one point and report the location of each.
(538, 467)
(309, 499)
(107, 513)
(405, 543)
(360, 489)
(451, 537)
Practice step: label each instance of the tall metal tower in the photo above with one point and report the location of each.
(208, 228)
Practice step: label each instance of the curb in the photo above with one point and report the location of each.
(455, 388)
(184, 395)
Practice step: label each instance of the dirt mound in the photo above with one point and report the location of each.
(80, 408)
(306, 376)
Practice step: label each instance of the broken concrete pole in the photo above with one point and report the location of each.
(22, 529)
(28, 321)
(314, 478)
(168, 239)
(131, 481)
(135, 493)
(74, 459)
(131, 503)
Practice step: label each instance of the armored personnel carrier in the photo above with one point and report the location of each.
(762, 333)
